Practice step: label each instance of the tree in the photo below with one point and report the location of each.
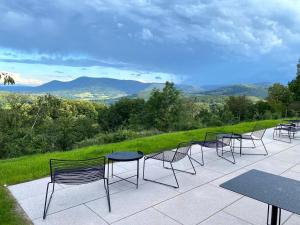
(240, 106)
(7, 78)
(280, 97)
(163, 108)
(294, 85)
(124, 112)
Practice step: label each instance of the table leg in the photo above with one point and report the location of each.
(274, 215)
(112, 168)
(137, 174)
(107, 172)
(241, 145)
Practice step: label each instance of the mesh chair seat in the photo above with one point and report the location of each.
(167, 156)
(247, 136)
(171, 157)
(211, 144)
(77, 176)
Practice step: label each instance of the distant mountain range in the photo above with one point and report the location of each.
(106, 89)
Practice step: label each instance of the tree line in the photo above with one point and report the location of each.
(37, 124)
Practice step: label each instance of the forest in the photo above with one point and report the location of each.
(35, 124)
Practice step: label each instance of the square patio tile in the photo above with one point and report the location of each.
(227, 177)
(293, 220)
(132, 201)
(271, 165)
(30, 189)
(223, 218)
(288, 156)
(253, 211)
(188, 181)
(198, 204)
(225, 167)
(147, 217)
(65, 198)
(75, 216)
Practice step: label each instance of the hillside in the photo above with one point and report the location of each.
(110, 90)
(87, 88)
(256, 90)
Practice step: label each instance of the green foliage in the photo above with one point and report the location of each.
(46, 124)
(294, 85)
(163, 108)
(259, 91)
(113, 137)
(41, 124)
(240, 107)
(7, 78)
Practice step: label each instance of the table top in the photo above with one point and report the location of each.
(125, 156)
(229, 135)
(268, 188)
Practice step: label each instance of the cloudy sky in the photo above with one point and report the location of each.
(192, 41)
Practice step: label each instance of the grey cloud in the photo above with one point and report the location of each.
(181, 37)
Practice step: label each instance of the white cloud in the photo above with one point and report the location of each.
(19, 80)
(146, 34)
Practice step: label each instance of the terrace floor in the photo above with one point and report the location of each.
(199, 200)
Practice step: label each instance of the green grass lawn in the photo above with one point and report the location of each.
(18, 170)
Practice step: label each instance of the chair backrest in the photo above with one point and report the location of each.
(224, 139)
(77, 171)
(182, 151)
(258, 132)
(213, 139)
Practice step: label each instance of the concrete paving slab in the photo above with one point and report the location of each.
(75, 216)
(147, 217)
(223, 218)
(252, 211)
(129, 202)
(197, 205)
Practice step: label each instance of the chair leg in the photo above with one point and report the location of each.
(106, 187)
(264, 147)
(192, 165)
(144, 168)
(223, 157)
(201, 163)
(254, 146)
(157, 182)
(47, 203)
(279, 134)
(177, 185)
(266, 151)
(184, 171)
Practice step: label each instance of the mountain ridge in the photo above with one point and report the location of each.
(92, 88)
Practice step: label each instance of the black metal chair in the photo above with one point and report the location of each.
(256, 135)
(76, 172)
(216, 141)
(171, 157)
(285, 130)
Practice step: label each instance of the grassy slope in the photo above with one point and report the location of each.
(13, 171)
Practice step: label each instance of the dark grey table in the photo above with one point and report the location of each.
(124, 157)
(233, 137)
(296, 122)
(279, 192)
